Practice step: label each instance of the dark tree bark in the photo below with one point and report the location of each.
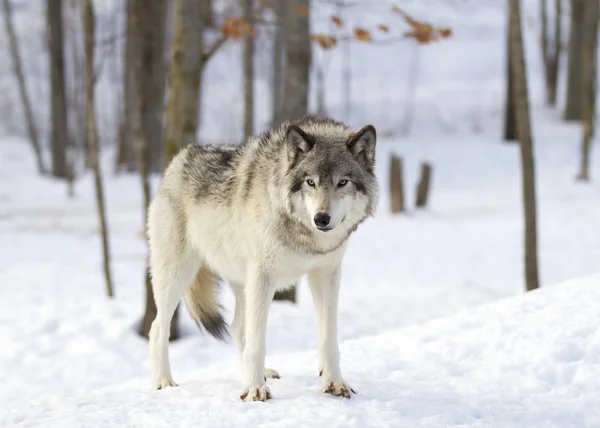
(526, 145)
(589, 59)
(277, 76)
(297, 66)
(153, 79)
(248, 66)
(510, 132)
(423, 186)
(126, 153)
(88, 18)
(185, 77)
(20, 76)
(551, 51)
(297, 59)
(574, 95)
(59, 135)
(396, 185)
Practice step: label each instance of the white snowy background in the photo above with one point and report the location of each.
(435, 329)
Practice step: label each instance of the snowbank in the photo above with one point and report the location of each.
(527, 361)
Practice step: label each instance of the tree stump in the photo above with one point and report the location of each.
(423, 186)
(396, 185)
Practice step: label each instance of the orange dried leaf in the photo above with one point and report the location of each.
(236, 28)
(362, 35)
(445, 32)
(326, 41)
(337, 21)
(384, 28)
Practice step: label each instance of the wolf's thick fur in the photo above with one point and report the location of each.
(259, 215)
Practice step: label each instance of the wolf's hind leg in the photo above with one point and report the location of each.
(173, 265)
(168, 283)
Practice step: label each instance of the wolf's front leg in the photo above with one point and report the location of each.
(325, 286)
(259, 293)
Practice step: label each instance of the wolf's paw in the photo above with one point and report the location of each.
(271, 374)
(339, 388)
(256, 393)
(163, 383)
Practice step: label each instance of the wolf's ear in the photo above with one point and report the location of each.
(362, 147)
(299, 143)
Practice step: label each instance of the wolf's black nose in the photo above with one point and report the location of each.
(322, 219)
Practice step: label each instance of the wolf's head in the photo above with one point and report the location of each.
(332, 185)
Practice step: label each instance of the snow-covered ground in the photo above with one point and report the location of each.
(434, 329)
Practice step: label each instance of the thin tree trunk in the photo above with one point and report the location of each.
(248, 67)
(297, 67)
(526, 144)
(277, 77)
(88, 18)
(126, 159)
(554, 59)
(574, 95)
(20, 76)
(510, 132)
(589, 57)
(551, 52)
(59, 136)
(77, 101)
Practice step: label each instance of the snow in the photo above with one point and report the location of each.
(530, 360)
(435, 330)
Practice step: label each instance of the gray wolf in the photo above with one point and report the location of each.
(259, 215)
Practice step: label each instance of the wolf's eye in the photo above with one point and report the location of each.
(342, 183)
(310, 182)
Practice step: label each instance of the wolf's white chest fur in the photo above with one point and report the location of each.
(236, 241)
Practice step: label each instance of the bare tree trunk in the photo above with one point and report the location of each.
(248, 72)
(297, 67)
(298, 60)
(89, 25)
(551, 54)
(396, 185)
(154, 79)
(20, 76)
(126, 153)
(185, 74)
(76, 100)
(526, 144)
(277, 77)
(59, 136)
(555, 57)
(510, 132)
(589, 58)
(574, 95)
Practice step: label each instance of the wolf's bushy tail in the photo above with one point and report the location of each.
(202, 301)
